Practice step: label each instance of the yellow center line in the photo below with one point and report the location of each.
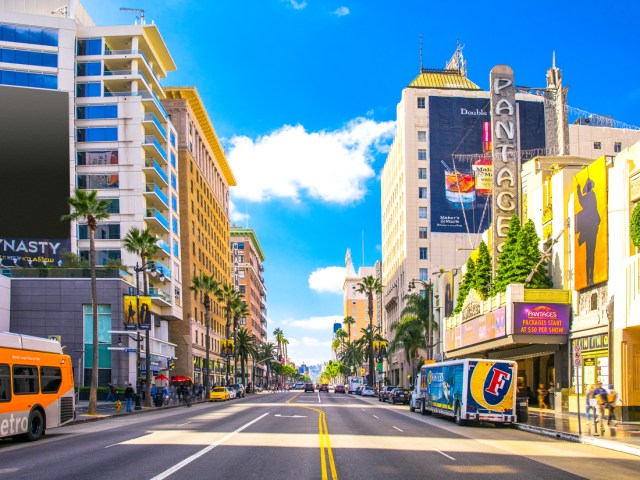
(325, 443)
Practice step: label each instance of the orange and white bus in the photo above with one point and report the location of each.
(36, 386)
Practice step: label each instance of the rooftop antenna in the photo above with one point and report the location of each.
(420, 53)
(64, 10)
(553, 60)
(139, 11)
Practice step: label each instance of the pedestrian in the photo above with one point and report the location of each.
(542, 393)
(600, 397)
(613, 398)
(129, 394)
(111, 394)
(165, 395)
(589, 403)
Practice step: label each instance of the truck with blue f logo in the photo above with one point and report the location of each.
(469, 390)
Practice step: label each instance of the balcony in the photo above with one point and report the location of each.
(164, 246)
(154, 102)
(160, 268)
(155, 197)
(153, 125)
(159, 297)
(155, 219)
(154, 148)
(155, 172)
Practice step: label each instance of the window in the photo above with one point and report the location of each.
(422, 174)
(24, 79)
(104, 337)
(424, 274)
(93, 89)
(32, 35)
(424, 253)
(5, 383)
(174, 202)
(597, 146)
(422, 136)
(103, 232)
(422, 154)
(617, 147)
(241, 273)
(89, 69)
(96, 111)
(102, 157)
(174, 182)
(422, 212)
(242, 289)
(25, 57)
(422, 192)
(421, 102)
(102, 258)
(97, 182)
(422, 232)
(89, 46)
(25, 379)
(174, 225)
(50, 379)
(107, 134)
(113, 205)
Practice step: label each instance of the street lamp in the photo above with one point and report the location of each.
(207, 317)
(150, 267)
(428, 286)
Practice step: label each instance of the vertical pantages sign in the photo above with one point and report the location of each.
(506, 163)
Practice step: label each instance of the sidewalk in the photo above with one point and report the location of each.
(623, 437)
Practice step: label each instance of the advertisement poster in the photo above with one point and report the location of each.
(131, 316)
(460, 189)
(492, 386)
(541, 319)
(590, 240)
(32, 252)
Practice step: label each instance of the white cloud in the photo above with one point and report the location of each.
(290, 162)
(309, 350)
(341, 12)
(297, 5)
(329, 279)
(313, 323)
(237, 217)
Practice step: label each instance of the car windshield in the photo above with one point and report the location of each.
(218, 389)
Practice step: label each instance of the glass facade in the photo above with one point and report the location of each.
(107, 134)
(91, 46)
(31, 35)
(102, 256)
(89, 89)
(89, 69)
(97, 182)
(26, 57)
(90, 112)
(103, 232)
(25, 79)
(104, 338)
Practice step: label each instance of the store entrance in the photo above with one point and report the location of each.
(537, 380)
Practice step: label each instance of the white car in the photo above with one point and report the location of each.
(232, 392)
(368, 391)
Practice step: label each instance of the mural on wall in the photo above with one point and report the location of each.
(591, 258)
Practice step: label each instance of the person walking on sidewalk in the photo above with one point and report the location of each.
(111, 394)
(589, 401)
(542, 393)
(613, 398)
(129, 393)
(600, 395)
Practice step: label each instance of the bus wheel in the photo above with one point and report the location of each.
(36, 426)
(457, 415)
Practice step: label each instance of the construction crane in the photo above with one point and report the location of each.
(138, 11)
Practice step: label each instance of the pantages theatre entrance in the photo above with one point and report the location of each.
(528, 326)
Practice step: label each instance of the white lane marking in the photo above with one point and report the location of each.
(205, 450)
(319, 401)
(397, 428)
(181, 424)
(375, 416)
(363, 410)
(442, 453)
(290, 416)
(112, 445)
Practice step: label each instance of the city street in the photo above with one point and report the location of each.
(301, 436)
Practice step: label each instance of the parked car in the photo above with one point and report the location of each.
(308, 387)
(232, 392)
(339, 389)
(383, 396)
(239, 388)
(323, 387)
(398, 395)
(218, 394)
(367, 391)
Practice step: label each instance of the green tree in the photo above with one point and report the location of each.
(467, 283)
(530, 259)
(206, 287)
(417, 310)
(348, 321)
(240, 311)
(229, 297)
(507, 259)
(409, 336)
(370, 286)
(86, 206)
(483, 278)
(266, 356)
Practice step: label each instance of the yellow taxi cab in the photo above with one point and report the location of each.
(218, 394)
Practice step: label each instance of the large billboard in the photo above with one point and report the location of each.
(541, 319)
(590, 241)
(34, 164)
(460, 201)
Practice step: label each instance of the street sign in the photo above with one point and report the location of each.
(577, 355)
(130, 350)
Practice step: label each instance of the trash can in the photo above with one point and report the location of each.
(522, 409)
(138, 402)
(157, 400)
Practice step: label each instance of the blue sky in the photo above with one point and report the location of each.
(303, 95)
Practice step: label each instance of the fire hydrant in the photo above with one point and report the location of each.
(118, 406)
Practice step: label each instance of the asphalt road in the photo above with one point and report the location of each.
(301, 436)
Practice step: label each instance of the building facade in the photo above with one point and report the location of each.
(204, 222)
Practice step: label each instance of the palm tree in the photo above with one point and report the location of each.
(206, 286)
(86, 206)
(348, 321)
(341, 335)
(279, 336)
(143, 243)
(228, 295)
(335, 346)
(245, 347)
(409, 336)
(370, 286)
(266, 353)
(240, 310)
(285, 342)
(417, 309)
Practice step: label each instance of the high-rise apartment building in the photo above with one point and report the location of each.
(204, 222)
(120, 141)
(248, 258)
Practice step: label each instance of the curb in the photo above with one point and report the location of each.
(99, 417)
(575, 438)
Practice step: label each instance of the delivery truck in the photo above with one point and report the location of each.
(469, 390)
(353, 383)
